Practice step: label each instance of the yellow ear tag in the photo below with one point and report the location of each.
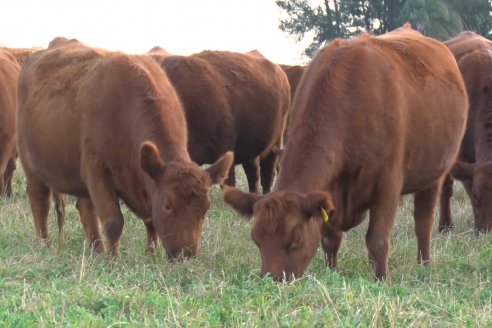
(324, 214)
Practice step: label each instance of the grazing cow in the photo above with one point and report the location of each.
(474, 166)
(9, 71)
(105, 126)
(373, 118)
(232, 101)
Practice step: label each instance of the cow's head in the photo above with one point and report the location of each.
(180, 198)
(480, 177)
(286, 227)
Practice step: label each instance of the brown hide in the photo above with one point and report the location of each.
(474, 167)
(294, 75)
(466, 42)
(9, 71)
(20, 54)
(102, 126)
(232, 101)
(373, 118)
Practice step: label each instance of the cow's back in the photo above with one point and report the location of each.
(232, 101)
(435, 107)
(473, 54)
(466, 42)
(396, 100)
(258, 95)
(47, 94)
(91, 104)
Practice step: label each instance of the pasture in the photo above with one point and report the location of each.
(67, 285)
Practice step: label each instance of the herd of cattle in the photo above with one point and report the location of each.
(368, 120)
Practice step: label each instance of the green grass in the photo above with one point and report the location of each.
(67, 285)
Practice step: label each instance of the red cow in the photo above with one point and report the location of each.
(232, 101)
(9, 71)
(474, 166)
(373, 118)
(105, 126)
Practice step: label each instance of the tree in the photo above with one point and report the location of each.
(475, 15)
(436, 18)
(330, 19)
(324, 21)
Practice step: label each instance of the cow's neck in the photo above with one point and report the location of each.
(167, 132)
(308, 163)
(171, 143)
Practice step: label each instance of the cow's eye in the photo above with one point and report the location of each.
(167, 208)
(294, 246)
(296, 241)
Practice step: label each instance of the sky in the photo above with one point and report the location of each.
(181, 27)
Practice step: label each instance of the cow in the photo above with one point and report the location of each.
(233, 102)
(474, 166)
(9, 71)
(104, 126)
(374, 118)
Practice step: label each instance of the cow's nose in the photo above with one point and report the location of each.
(180, 254)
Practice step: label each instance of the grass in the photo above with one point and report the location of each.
(67, 285)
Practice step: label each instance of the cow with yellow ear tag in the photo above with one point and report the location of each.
(374, 117)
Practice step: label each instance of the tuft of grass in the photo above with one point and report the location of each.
(68, 285)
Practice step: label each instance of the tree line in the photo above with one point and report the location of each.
(325, 20)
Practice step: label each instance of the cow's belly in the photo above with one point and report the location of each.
(50, 150)
(425, 166)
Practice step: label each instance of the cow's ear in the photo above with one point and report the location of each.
(150, 160)
(240, 201)
(318, 204)
(462, 171)
(219, 171)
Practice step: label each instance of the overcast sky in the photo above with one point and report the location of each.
(179, 26)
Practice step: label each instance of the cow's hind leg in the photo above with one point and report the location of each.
(89, 220)
(59, 201)
(39, 198)
(9, 176)
(251, 169)
(331, 241)
(424, 206)
(267, 170)
(468, 185)
(445, 217)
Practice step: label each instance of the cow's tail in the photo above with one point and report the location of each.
(59, 201)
